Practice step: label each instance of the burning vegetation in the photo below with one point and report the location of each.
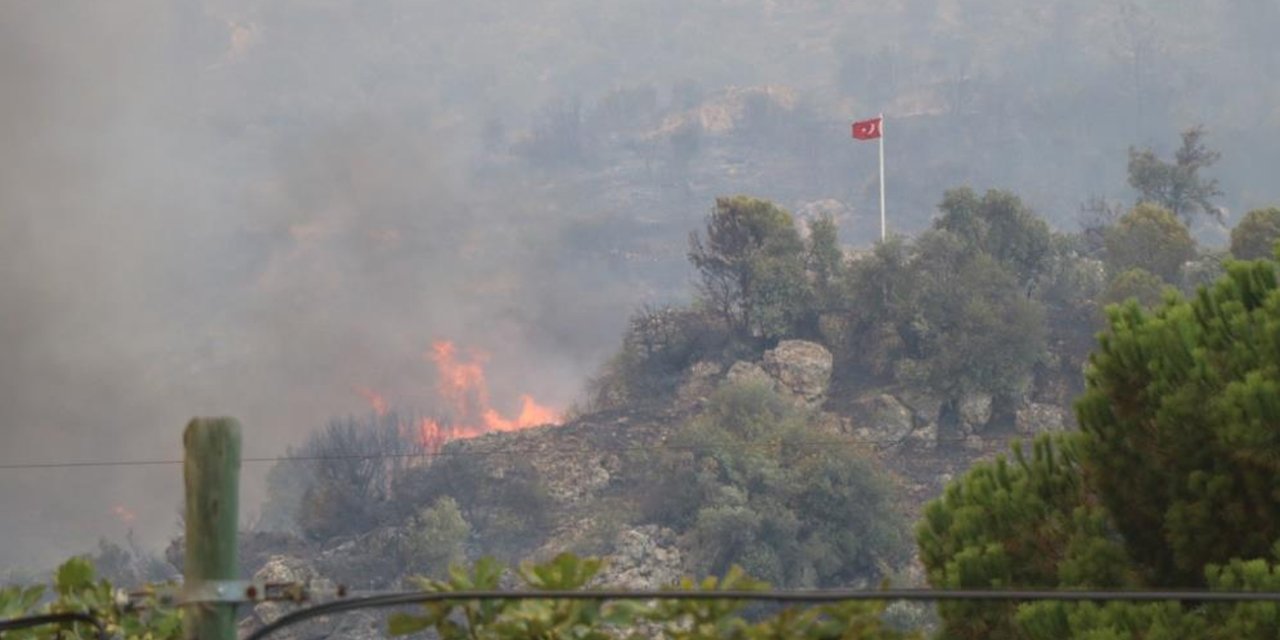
(464, 390)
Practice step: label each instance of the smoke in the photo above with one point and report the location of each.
(270, 209)
(171, 248)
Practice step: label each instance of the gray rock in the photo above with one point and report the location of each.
(645, 557)
(883, 419)
(975, 410)
(974, 443)
(925, 409)
(359, 625)
(925, 436)
(1036, 418)
(801, 367)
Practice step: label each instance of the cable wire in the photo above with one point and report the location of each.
(820, 596)
(846, 442)
(15, 624)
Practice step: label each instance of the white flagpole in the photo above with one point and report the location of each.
(882, 232)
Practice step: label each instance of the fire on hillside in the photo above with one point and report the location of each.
(463, 386)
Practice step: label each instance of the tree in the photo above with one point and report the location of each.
(824, 259)
(1150, 238)
(1001, 226)
(1177, 186)
(1256, 235)
(338, 486)
(879, 298)
(1069, 289)
(1181, 409)
(1135, 284)
(1021, 522)
(972, 329)
(752, 267)
(1170, 482)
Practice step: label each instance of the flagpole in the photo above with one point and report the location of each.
(882, 232)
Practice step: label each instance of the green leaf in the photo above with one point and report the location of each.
(75, 574)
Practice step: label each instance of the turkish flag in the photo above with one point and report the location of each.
(866, 129)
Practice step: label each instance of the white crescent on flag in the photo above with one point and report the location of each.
(866, 129)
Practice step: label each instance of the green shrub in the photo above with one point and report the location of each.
(756, 490)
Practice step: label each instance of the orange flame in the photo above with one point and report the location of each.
(462, 384)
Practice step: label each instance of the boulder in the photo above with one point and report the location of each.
(801, 367)
(883, 419)
(975, 411)
(281, 569)
(1036, 418)
(358, 625)
(925, 407)
(925, 436)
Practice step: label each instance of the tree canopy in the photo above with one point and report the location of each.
(1001, 226)
(751, 265)
(1171, 481)
(1150, 238)
(1256, 234)
(1177, 186)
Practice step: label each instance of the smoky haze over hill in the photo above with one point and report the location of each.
(254, 208)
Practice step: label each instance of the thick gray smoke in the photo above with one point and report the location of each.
(175, 242)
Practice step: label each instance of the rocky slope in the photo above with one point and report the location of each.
(586, 473)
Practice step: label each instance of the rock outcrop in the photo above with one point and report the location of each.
(975, 412)
(645, 557)
(1036, 418)
(357, 625)
(803, 368)
(882, 420)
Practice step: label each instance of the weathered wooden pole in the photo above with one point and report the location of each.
(211, 470)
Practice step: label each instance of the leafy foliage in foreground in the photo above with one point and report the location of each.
(586, 620)
(76, 590)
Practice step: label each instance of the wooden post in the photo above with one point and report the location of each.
(211, 470)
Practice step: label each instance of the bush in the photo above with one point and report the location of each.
(437, 538)
(76, 589)
(754, 490)
(660, 344)
(343, 478)
(508, 515)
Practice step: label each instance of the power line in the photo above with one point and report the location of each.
(425, 454)
(819, 596)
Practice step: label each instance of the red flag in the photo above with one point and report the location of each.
(866, 129)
